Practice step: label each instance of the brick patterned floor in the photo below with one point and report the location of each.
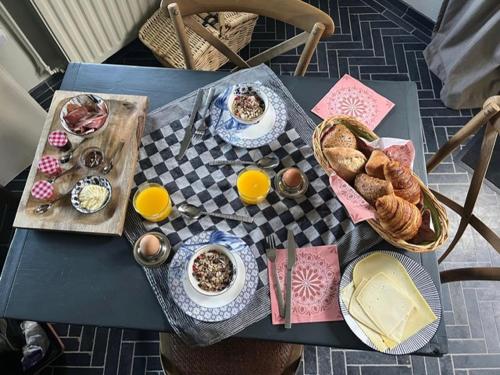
(377, 40)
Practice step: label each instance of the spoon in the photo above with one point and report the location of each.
(43, 208)
(109, 165)
(194, 212)
(267, 162)
(73, 168)
(67, 156)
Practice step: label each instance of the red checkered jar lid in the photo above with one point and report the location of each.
(49, 165)
(58, 138)
(42, 190)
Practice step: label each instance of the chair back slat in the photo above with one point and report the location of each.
(278, 49)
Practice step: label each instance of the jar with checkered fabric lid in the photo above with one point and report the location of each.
(43, 191)
(59, 140)
(49, 166)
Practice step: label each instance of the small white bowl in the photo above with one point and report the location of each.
(242, 89)
(192, 279)
(82, 100)
(90, 180)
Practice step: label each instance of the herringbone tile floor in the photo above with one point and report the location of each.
(374, 40)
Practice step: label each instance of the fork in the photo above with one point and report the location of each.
(271, 256)
(200, 131)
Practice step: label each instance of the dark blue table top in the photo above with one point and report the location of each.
(92, 280)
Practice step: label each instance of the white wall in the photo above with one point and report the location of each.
(21, 121)
(429, 8)
(17, 61)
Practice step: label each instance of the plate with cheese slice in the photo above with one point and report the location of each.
(390, 302)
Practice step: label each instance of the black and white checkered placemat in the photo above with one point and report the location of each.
(317, 219)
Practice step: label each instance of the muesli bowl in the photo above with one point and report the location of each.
(245, 99)
(212, 270)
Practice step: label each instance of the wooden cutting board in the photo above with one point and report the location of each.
(126, 123)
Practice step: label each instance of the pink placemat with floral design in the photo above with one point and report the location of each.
(351, 97)
(315, 285)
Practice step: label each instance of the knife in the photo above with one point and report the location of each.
(188, 135)
(292, 247)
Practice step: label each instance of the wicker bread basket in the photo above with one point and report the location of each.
(233, 28)
(438, 213)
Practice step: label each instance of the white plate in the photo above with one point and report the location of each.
(424, 284)
(223, 306)
(269, 128)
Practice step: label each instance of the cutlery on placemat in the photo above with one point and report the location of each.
(292, 247)
(271, 256)
(195, 213)
(188, 135)
(200, 132)
(265, 162)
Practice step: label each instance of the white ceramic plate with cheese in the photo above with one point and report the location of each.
(420, 311)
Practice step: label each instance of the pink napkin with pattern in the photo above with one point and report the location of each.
(351, 97)
(315, 285)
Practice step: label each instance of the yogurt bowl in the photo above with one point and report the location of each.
(247, 103)
(211, 270)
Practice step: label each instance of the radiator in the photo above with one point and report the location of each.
(93, 30)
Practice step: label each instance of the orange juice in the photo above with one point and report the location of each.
(152, 202)
(253, 185)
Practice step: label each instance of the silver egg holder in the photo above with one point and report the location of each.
(155, 260)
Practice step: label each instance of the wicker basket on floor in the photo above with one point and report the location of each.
(233, 28)
(438, 213)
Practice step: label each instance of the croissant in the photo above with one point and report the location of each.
(404, 183)
(399, 217)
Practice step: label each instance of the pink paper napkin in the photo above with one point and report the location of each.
(351, 97)
(315, 285)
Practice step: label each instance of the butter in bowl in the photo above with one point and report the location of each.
(91, 194)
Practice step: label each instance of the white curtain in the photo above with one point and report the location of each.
(21, 122)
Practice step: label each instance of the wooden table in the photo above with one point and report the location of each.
(91, 280)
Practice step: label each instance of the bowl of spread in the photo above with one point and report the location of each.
(247, 103)
(212, 270)
(91, 194)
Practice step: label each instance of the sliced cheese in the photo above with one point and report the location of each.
(421, 315)
(381, 343)
(386, 305)
(357, 311)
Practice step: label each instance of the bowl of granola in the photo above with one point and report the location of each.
(247, 103)
(212, 270)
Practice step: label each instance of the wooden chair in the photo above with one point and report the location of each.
(490, 117)
(228, 357)
(314, 23)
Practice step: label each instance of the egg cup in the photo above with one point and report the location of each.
(154, 260)
(294, 193)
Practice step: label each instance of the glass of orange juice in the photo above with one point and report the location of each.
(152, 202)
(253, 185)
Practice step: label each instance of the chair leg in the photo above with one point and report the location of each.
(474, 273)
(312, 42)
(489, 110)
(487, 147)
(490, 236)
(182, 38)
